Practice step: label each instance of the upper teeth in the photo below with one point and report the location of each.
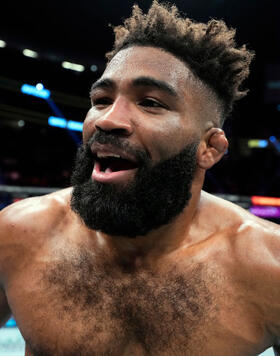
(105, 155)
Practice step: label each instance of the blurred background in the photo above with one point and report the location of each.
(51, 52)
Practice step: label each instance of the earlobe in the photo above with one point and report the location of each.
(212, 148)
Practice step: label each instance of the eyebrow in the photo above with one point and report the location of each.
(143, 81)
(155, 83)
(103, 84)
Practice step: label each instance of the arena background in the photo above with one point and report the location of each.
(51, 52)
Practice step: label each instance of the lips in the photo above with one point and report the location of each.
(112, 165)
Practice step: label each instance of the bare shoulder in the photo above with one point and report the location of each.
(226, 214)
(35, 212)
(28, 222)
(254, 238)
(255, 257)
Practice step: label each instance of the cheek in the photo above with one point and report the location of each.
(167, 140)
(88, 127)
(172, 139)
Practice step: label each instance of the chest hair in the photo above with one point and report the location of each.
(159, 312)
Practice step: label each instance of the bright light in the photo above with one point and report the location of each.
(75, 125)
(93, 68)
(266, 211)
(263, 143)
(29, 53)
(57, 122)
(272, 139)
(73, 66)
(64, 124)
(39, 86)
(257, 143)
(21, 123)
(269, 201)
(11, 323)
(2, 44)
(31, 90)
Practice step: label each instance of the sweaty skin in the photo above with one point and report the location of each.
(205, 284)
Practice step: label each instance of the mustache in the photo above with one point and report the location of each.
(101, 137)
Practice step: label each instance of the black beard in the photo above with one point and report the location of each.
(154, 198)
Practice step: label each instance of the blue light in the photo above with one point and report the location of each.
(75, 125)
(11, 323)
(31, 90)
(275, 142)
(278, 107)
(263, 143)
(57, 122)
(63, 123)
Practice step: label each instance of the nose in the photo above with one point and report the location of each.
(118, 118)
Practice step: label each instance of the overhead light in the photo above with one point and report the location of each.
(29, 53)
(31, 90)
(75, 125)
(2, 44)
(265, 211)
(254, 143)
(39, 86)
(73, 66)
(57, 121)
(65, 124)
(275, 142)
(270, 201)
(93, 68)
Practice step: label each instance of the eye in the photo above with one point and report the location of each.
(151, 103)
(101, 102)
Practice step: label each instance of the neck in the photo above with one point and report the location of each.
(160, 242)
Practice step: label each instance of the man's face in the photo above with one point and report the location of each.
(134, 171)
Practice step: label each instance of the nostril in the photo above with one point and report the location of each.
(100, 129)
(116, 131)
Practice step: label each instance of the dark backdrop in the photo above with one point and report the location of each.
(32, 153)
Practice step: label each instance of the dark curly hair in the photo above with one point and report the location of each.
(209, 50)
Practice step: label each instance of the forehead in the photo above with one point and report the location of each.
(137, 61)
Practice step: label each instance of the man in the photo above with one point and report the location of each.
(136, 259)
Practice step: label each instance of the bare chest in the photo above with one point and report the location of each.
(80, 307)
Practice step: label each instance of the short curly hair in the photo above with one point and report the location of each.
(208, 49)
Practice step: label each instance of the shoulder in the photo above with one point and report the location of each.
(250, 236)
(254, 246)
(253, 243)
(226, 214)
(25, 225)
(35, 212)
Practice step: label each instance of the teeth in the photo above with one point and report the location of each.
(108, 170)
(105, 155)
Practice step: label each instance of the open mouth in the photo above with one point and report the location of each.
(114, 164)
(113, 169)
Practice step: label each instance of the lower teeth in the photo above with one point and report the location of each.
(108, 170)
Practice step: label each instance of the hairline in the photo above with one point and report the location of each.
(195, 80)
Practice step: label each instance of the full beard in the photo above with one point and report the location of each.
(158, 193)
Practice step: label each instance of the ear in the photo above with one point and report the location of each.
(211, 148)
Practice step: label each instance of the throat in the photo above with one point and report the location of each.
(132, 263)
